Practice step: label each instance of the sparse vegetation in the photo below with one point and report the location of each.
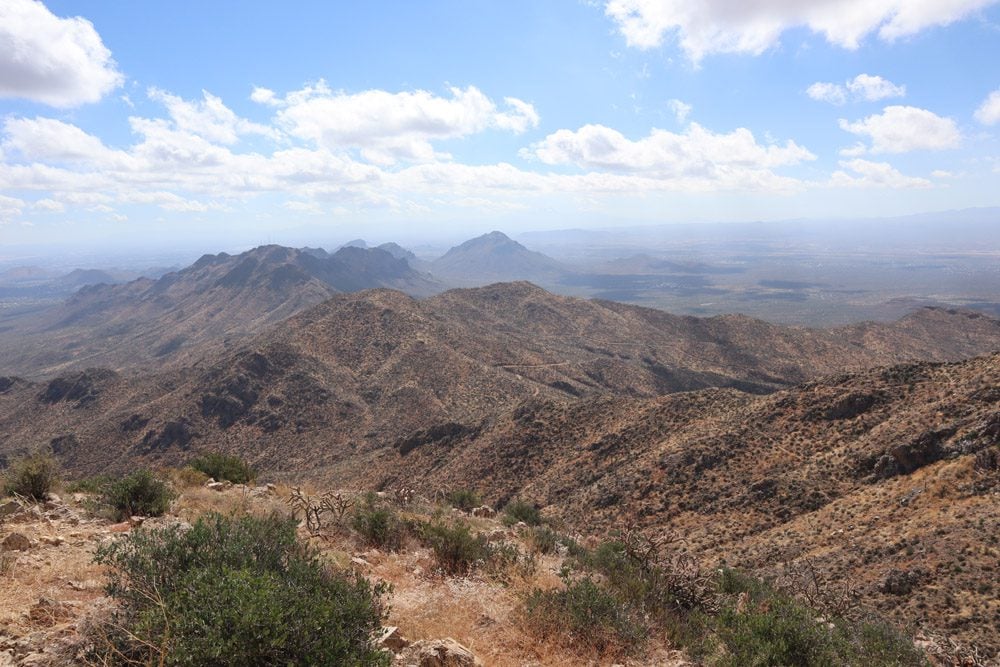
(378, 525)
(31, 476)
(224, 467)
(584, 614)
(234, 591)
(519, 510)
(464, 499)
(455, 547)
(542, 539)
(139, 494)
(93, 484)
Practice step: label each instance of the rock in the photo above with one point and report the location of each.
(360, 562)
(54, 499)
(136, 521)
(216, 486)
(122, 527)
(15, 542)
(440, 653)
(53, 540)
(8, 508)
(392, 639)
(485, 512)
(78, 498)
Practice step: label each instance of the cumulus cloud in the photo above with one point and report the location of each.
(666, 154)
(208, 118)
(61, 62)
(988, 112)
(388, 127)
(866, 174)
(899, 129)
(47, 139)
(862, 87)
(737, 26)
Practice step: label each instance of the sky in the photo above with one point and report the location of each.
(154, 122)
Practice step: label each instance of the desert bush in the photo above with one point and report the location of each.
(583, 614)
(138, 494)
(521, 510)
(92, 484)
(762, 625)
(188, 477)
(32, 476)
(234, 591)
(464, 499)
(457, 550)
(224, 467)
(378, 525)
(542, 540)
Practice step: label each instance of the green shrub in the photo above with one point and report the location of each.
(542, 540)
(224, 467)
(31, 476)
(93, 484)
(762, 625)
(521, 510)
(235, 591)
(464, 499)
(138, 494)
(585, 615)
(455, 547)
(378, 525)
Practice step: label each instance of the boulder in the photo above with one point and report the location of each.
(8, 508)
(441, 653)
(15, 542)
(216, 486)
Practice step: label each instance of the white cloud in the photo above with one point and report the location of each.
(737, 26)
(681, 109)
(10, 208)
(696, 151)
(868, 174)
(862, 87)
(988, 112)
(942, 173)
(873, 88)
(61, 62)
(47, 139)
(208, 118)
(387, 127)
(49, 206)
(827, 92)
(263, 96)
(899, 129)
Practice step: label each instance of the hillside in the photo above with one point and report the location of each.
(181, 316)
(365, 371)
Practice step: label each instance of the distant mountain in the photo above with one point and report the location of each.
(495, 257)
(151, 323)
(23, 274)
(397, 251)
(82, 277)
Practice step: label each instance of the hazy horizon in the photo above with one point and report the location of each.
(445, 120)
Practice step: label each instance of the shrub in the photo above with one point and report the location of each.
(93, 484)
(456, 549)
(521, 510)
(464, 499)
(31, 476)
(140, 493)
(224, 467)
(235, 591)
(379, 526)
(584, 614)
(542, 539)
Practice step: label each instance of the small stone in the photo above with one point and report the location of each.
(216, 486)
(122, 527)
(15, 542)
(442, 653)
(392, 639)
(53, 540)
(8, 508)
(484, 512)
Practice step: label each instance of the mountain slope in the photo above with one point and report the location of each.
(376, 370)
(183, 315)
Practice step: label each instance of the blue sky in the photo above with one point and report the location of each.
(273, 121)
